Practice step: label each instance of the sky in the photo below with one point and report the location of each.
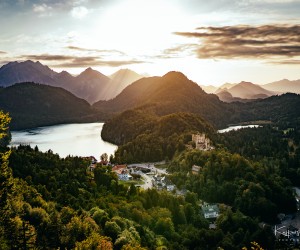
(211, 42)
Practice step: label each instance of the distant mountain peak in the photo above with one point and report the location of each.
(246, 83)
(175, 74)
(88, 70)
(127, 72)
(91, 73)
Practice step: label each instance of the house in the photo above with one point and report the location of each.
(118, 168)
(162, 182)
(125, 176)
(92, 167)
(93, 163)
(195, 169)
(210, 211)
(122, 172)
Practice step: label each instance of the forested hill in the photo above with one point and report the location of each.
(171, 93)
(146, 137)
(282, 110)
(174, 92)
(32, 105)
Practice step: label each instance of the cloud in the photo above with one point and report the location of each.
(2, 52)
(78, 62)
(42, 9)
(89, 62)
(79, 12)
(264, 42)
(288, 62)
(96, 50)
(178, 51)
(47, 57)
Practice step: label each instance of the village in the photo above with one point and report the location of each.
(155, 175)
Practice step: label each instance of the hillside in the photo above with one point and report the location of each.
(147, 137)
(283, 110)
(32, 105)
(171, 93)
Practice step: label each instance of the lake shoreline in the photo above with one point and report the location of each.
(77, 139)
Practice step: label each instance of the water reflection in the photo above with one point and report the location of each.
(66, 139)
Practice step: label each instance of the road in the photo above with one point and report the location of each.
(148, 182)
(148, 178)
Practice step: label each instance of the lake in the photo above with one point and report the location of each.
(66, 139)
(236, 128)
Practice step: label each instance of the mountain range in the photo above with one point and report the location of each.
(245, 91)
(284, 86)
(138, 108)
(90, 85)
(32, 105)
(94, 86)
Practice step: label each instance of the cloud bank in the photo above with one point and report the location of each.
(78, 62)
(271, 42)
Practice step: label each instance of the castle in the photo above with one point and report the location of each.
(202, 142)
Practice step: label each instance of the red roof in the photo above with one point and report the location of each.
(118, 167)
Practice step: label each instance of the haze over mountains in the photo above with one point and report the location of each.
(284, 85)
(90, 85)
(245, 91)
(171, 93)
(94, 86)
(32, 105)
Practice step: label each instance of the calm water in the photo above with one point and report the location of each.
(66, 139)
(237, 127)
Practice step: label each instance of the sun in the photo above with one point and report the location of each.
(140, 27)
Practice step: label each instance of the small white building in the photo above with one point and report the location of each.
(210, 211)
(125, 177)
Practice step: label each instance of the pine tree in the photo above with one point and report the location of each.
(6, 182)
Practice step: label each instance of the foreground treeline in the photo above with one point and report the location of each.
(53, 203)
(72, 211)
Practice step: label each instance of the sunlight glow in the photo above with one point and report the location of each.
(143, 28)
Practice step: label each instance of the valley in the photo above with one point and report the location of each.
(149, 125)
(246, 176)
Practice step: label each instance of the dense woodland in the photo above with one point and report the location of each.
(147, 137)
(49, 203)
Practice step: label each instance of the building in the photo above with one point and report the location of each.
(122, 172)
(195, 169)
(202, 142)
(210, 211)
(125, 176)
